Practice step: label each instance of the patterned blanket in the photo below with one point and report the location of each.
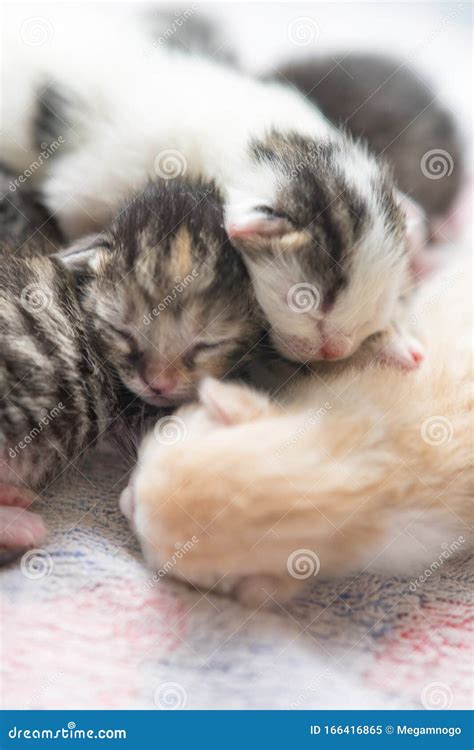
(84, 625)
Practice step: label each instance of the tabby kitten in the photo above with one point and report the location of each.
(167, 293)
(57, 396)
(146, 309)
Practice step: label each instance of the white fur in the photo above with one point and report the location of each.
(137, 102)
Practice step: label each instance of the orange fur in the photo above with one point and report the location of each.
(366, 469)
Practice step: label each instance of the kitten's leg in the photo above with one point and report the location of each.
(18, 526)
(398, 349)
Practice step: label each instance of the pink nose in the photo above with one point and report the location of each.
(335, 349)
(162, 384)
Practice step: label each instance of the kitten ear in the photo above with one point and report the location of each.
(422, 262)
(250, 226)
(229, 403)
(84, 255)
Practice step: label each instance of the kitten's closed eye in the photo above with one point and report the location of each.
(272, 213)
(199, 348)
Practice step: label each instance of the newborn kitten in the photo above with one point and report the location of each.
(394, 110)
(167, 293)
(22, 216)
(57, 393)
(343, 475)
(304, 204)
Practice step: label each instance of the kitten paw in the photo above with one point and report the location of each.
(403, 352)
(19, 527)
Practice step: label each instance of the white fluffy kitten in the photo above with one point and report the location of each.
(315, 217)
(369, 470)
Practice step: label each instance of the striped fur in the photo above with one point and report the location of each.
(56, 395)
(167, 293)
(22, 216)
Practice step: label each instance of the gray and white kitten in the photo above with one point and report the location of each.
(381, 100)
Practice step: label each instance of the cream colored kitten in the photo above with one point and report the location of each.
(368, 469)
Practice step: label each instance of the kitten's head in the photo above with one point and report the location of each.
(168, 294)
(323, 234)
